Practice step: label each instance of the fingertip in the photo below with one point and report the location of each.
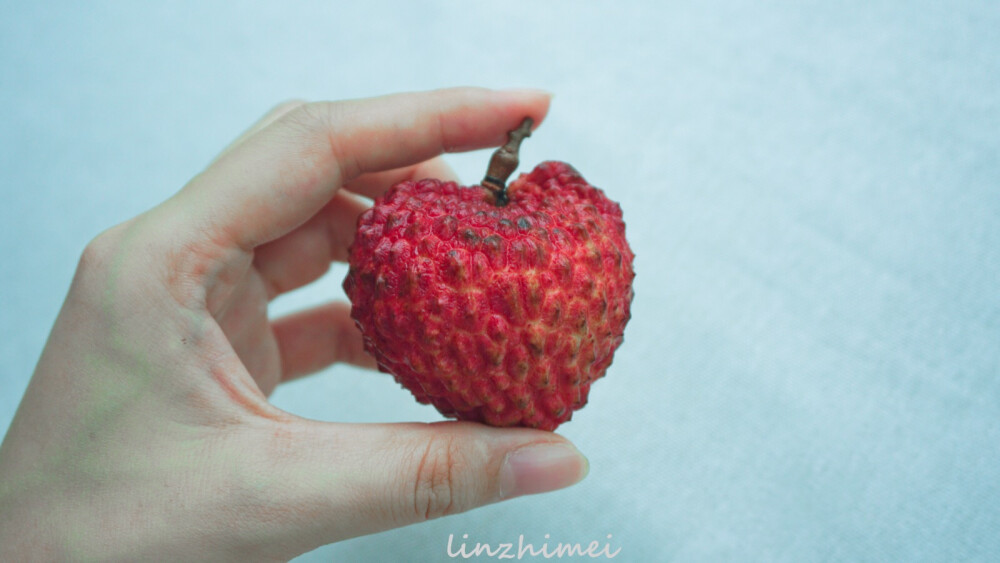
(540, 468)
(475, 118)
(536, 100)
(529, 93)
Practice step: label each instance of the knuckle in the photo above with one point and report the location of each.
(313, 116)
(119, 263)
(95, 284)
(436, 490)
(100, 262)
(99, 254)
(329, 124)
(287, 106)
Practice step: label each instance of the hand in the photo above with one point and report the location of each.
(146, 431)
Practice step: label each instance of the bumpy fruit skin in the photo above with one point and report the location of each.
(502, 315)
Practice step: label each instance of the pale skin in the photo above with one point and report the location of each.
(146, 432)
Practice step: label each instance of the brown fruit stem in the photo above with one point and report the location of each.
(504, 162)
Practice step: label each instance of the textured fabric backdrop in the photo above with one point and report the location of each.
(812, 190)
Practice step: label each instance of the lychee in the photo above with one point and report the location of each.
(495, 304)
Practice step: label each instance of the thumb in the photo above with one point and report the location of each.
(365, 478)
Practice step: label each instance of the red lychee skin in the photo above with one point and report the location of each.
(502, 315)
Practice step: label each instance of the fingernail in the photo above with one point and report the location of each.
(528, 92)
(540, 468)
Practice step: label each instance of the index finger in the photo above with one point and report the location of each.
(283, 175)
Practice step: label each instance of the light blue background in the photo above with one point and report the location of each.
(812, 190)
